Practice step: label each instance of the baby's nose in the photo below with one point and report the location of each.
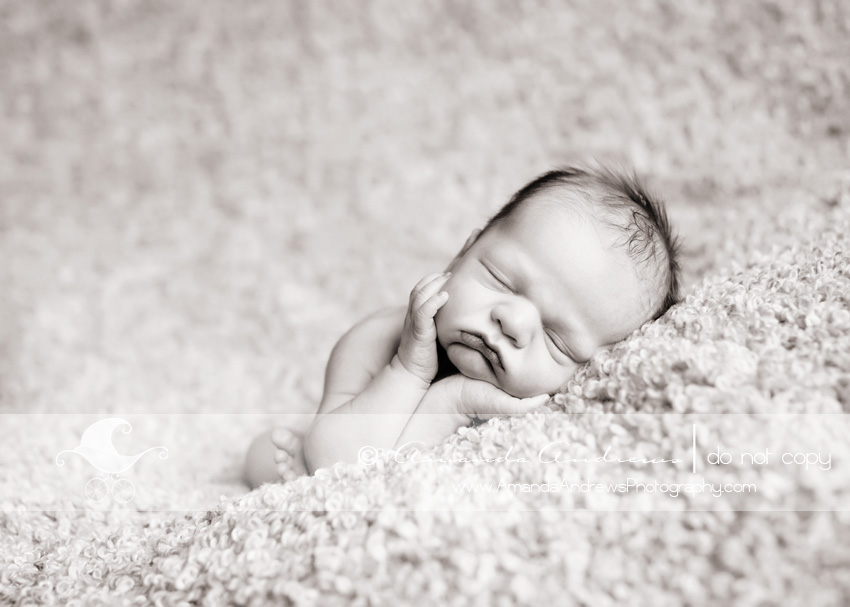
(517, 320)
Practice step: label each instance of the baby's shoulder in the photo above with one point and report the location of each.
(387, 314)
(380, 330)
(386, 321)
(359, 355)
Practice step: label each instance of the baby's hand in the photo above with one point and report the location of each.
(476, 398)
(418, 349)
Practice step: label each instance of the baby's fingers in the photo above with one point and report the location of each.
(426, 288)
(511, 406)
(425, 281)
(483, 400)
(429, 309)
(423, 317)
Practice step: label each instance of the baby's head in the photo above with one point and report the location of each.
(573, 263)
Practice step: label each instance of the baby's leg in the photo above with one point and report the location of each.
(274, 455)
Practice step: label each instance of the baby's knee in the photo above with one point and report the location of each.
(260, 466)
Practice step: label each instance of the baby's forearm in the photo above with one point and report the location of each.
(435, 419)
(375, 418)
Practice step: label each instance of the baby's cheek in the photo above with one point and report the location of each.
(446, 314)
(441, 324)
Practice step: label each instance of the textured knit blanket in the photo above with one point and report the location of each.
(196, 202)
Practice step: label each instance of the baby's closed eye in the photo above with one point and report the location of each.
(558, 342)
(498, 278)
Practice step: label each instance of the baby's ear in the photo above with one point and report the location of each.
(467, 245)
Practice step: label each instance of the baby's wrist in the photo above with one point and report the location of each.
(444, 398)
(398, 367)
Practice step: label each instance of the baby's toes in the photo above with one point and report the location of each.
(284, 438)
(281, 456)
(285, 471)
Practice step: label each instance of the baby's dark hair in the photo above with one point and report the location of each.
(618, 200)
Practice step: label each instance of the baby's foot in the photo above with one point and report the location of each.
(290, 453)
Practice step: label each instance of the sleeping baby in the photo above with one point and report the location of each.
(576, 261)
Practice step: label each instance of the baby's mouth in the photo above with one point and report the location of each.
(477, 343)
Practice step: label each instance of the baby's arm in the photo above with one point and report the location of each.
(454, 402)
(437, 417)
(353, 416)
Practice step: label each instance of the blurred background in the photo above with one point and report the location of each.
(197, 199)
